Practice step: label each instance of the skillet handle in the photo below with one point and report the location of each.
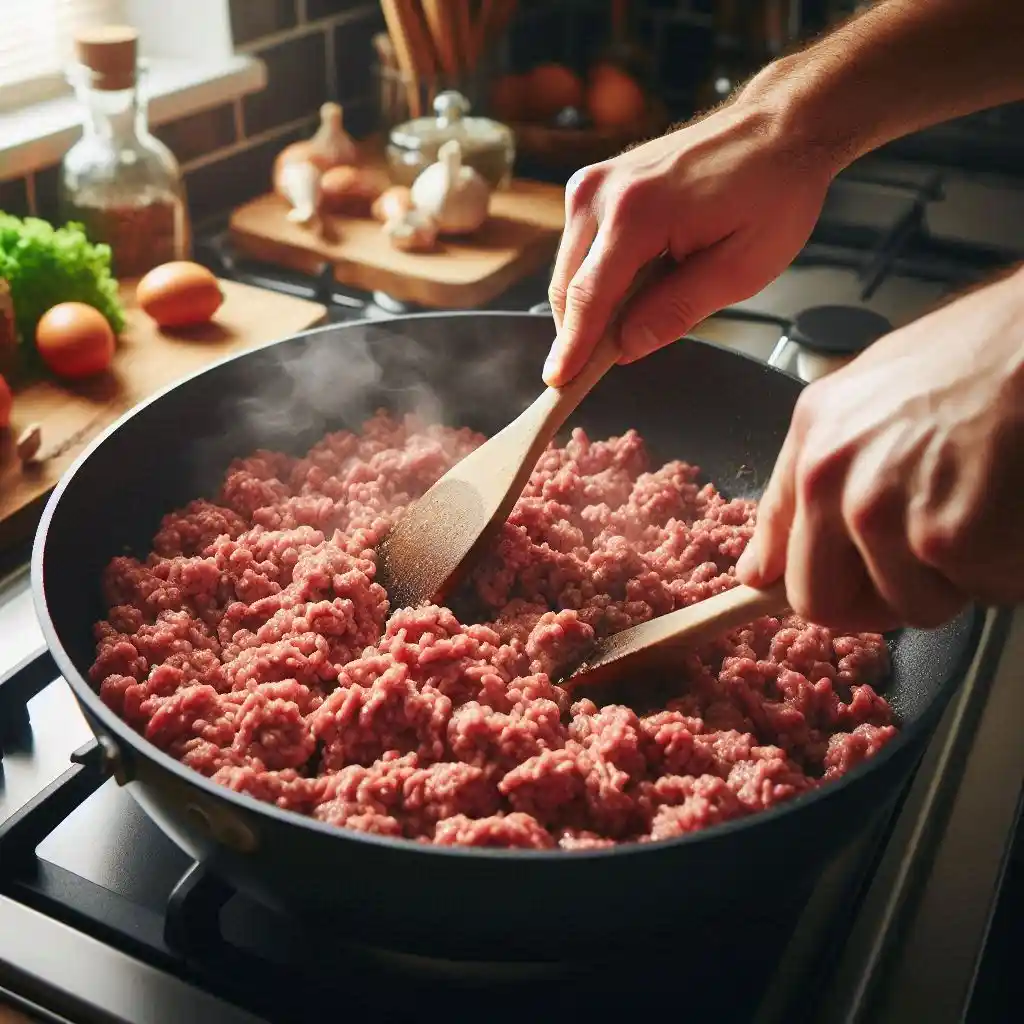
(105, 755)
(210, 817)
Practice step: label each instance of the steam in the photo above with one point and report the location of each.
(285, 397)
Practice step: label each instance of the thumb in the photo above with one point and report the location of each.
(703, 283)
(593, 294)
(764, 559)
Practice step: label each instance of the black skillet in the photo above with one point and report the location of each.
(725, 412)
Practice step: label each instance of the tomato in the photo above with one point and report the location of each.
(75, 340)
(6, 404)
(179, 294)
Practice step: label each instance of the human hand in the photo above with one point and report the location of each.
(732, 199)
(897, 496)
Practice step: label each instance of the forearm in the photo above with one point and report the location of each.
(901, 66)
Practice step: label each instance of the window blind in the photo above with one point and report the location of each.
(36, 36)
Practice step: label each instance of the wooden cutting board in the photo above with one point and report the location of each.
(520, 237)
(147, 359)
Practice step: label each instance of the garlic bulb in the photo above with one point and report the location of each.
(452, 193)
(300, 184)
(331, 144)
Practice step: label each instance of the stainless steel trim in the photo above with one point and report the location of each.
(777, 354)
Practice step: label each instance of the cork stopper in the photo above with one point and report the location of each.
(110, 53)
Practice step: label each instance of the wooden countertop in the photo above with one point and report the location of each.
(71, 414)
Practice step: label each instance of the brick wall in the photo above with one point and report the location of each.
(314, 50)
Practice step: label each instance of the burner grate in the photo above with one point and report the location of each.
(26, 680)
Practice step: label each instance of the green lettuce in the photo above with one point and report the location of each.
(45, 266)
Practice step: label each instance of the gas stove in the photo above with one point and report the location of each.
(103, 918)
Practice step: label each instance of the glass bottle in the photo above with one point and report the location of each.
(120, 182)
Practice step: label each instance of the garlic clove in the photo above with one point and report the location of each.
(29, 442)
(449, 154)
(412, 231)
(393, 202)
(300, 184)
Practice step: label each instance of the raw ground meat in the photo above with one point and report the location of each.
(254, 645)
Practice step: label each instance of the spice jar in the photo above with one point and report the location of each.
(120, 182)
(486, 145)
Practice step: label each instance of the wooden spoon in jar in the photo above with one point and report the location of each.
(655, 644)
(440, 535)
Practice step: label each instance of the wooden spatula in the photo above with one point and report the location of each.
(654, 645)
(440, 536)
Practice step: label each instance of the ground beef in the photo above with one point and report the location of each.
(254, 645)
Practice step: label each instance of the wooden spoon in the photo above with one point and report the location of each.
(412, 48)
(439, 18)
(439, 537)
(655, 644)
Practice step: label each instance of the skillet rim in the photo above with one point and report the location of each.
(142, 747)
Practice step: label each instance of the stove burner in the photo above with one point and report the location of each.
(838, 330)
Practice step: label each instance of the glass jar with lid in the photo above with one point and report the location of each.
(487, 145)
(118, 180)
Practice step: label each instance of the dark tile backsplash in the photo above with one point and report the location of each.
(355, 57)
(296, 83)
(14, 196)
(686, 51)
(325, 8)
(252, 19)
(46, 193)
(236, 178)
(201, 133)
(541, 35)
